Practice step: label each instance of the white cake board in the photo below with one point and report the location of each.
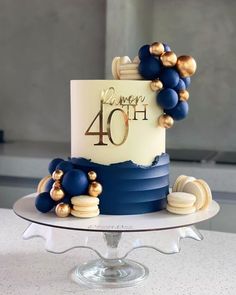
(160, 220)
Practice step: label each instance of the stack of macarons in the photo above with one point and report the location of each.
(85, 206)
(189, 195)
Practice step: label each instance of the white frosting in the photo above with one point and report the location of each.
(142, 139)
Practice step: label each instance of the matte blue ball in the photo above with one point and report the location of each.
(144, 52)
(187, 81)
(53, 164)
(65, 166)
(167, 98)
(75, 182)
(180, 86)
(169, 78)
(166, 47)
(49, 185)
(44, 203)
(179, 112)
(149, 68)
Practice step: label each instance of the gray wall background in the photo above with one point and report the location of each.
(45, 44)
(205, 29)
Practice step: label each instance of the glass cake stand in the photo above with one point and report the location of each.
(112, 238)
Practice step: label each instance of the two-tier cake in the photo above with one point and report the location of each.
(118, 162)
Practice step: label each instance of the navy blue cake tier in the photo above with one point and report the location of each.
(129, 188)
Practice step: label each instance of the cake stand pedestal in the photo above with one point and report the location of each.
(112, 238)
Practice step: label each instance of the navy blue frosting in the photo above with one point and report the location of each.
(129, 188)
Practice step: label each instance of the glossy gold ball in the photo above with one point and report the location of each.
(186, 65)
(168, 59)
(62, 210)
(57, 194)
(156, 48)
(57, 174)
(165, 121)
(56, 184)
(156, 85)
(95, 189)
(92, 175)
(183, 95)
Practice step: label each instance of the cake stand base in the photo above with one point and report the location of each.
(112, 238)
(110, 273)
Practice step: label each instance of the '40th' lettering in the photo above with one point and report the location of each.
(101, 133)
(130, 107)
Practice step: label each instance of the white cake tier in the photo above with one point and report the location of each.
(114, 121)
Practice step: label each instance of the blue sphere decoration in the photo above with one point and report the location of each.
(187, 81)
(149, 68)
(53, 164)
(44, 203)
(167, 98)
(166, 47)
(144, 52)
(180, 86)
(75, 182)
(169, 78)
(65, 166)
(65, 200)
(49, 185)
(179, 112)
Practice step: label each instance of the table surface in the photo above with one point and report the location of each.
(206, 267)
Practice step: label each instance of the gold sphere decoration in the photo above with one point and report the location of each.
(95, 189)
(186, 65)
(183, 95)
(168, 59)
(56, 184)
(92, 175)
(156, 48)
(156, 85)
(165, 121)
(57, 174)
(57, 194)
(62, 210)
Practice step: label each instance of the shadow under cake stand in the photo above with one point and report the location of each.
(112, 238)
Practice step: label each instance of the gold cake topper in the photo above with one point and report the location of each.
(129, 107)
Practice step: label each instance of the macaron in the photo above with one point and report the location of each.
(42, 184)
(197, 190)
(208, 193)
(175, 186)
(184, 181)
(92, 208)
(181, 199)
(84, 200)
(85, 214)
(182, 211)
(116, 63)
